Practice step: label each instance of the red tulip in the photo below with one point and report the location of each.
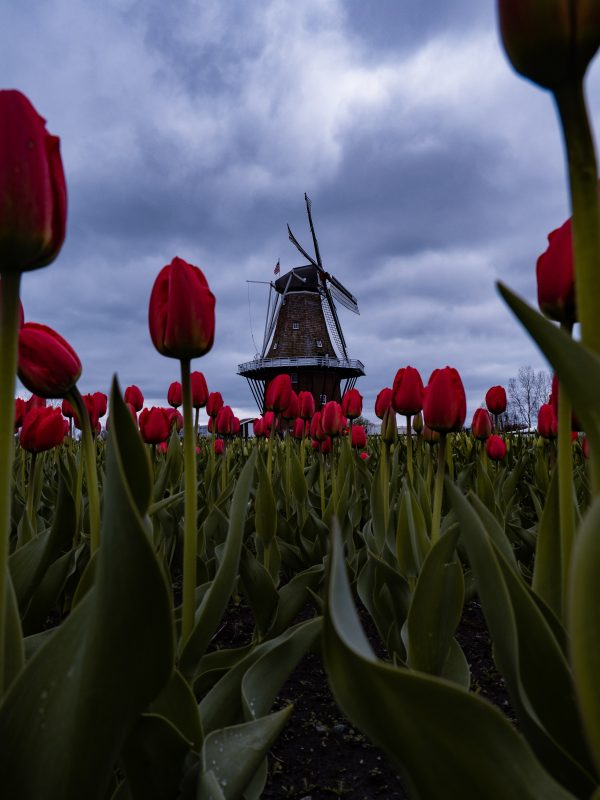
(547, 425)
(133, 412)
(326, 445)
(154, 425)
(332, 419)
(383, 402)
(48, 365)
(407, 392)
(550, 42)
(225, 422)
(316, 429)
(43, 429)
(92, 410)
(67, 409)
(315, 444)
(33, 194)
(445, 404)
(163, 447)
(352, 403)
(307, 404)
(364, 455)
(495, 400)
(174, 394)
(279, 391)
(182, 312)
(219, 447)
(481, 427)
(214, 404)
(257, 427)
(175, 419)
(496, 448)
(299, 428)
(359, 437)
(556, 276)
(101, 401)
(134, 396)
(585, 446)
(199, 390)
(269, 419)
(20, 411)
(429, 436)
(293, 408)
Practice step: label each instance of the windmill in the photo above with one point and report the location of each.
(303, 336)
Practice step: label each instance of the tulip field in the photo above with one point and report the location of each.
(125, 556)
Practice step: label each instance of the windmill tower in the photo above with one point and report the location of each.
(303, 336)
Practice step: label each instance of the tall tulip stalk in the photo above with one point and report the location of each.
(33, 213)
(181, 318)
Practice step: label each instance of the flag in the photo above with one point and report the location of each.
(277, 269)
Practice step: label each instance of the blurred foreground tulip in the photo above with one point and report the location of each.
(555, 273)
(47, 364)
(33, 193)
(551, 42)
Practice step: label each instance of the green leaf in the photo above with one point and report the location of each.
(260, 591)
(216, 598)
(265, 507)
(436, 608)
(13, 639)
(294, 596)
(75, 703)
(528, 655)
(234, 754)
(447, 742)
(547, 577)
(584, 602)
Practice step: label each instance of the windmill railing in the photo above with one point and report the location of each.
(322, 362)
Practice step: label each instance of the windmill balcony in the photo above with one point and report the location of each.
(319, 362)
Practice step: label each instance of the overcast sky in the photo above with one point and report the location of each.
(194, 128)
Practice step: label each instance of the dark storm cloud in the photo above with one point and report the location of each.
(195, 129)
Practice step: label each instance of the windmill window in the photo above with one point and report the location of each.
(274, 345)
(319, 343)
(323, 399)
(294, 377)
(295, 326)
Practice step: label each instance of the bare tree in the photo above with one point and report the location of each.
(526, 393)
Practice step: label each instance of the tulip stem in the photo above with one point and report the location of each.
(190, 532)
(439, 490)
(88, 450)
(409, 452)
(322, 483)
(385, 483)
(9, 337)
(565, 488)
(583, 181)
(30, 498)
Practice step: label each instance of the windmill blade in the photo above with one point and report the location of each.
(342, 295)
(299, 247)
(312, 230)
(336, 321)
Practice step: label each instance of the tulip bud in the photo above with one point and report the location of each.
(316, 428)
(555, 275)
(383, 402)
(550, 41)
(43, 429)
(547, 424)
(257, 427)
(299, 428)
(445, 405)
(225, 421)
(495, 400)
(364, 455)
(219, 447)
(269, 419)
(326, 445)
(236, 426)
(389, 428)
(67, 409)
(92, 410)
(352, 404)
(101, 401)
(181, 313)
(33, 194)
(199, 389)
(175, 419)
(496, 448)
(154, 425)
(174, 394)
(481, 427)
(134, 396)
(417, 423)
(48, 365)
(307, 404)
(407, 392)
(279, 391)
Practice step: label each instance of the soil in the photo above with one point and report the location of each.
(320, 755)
